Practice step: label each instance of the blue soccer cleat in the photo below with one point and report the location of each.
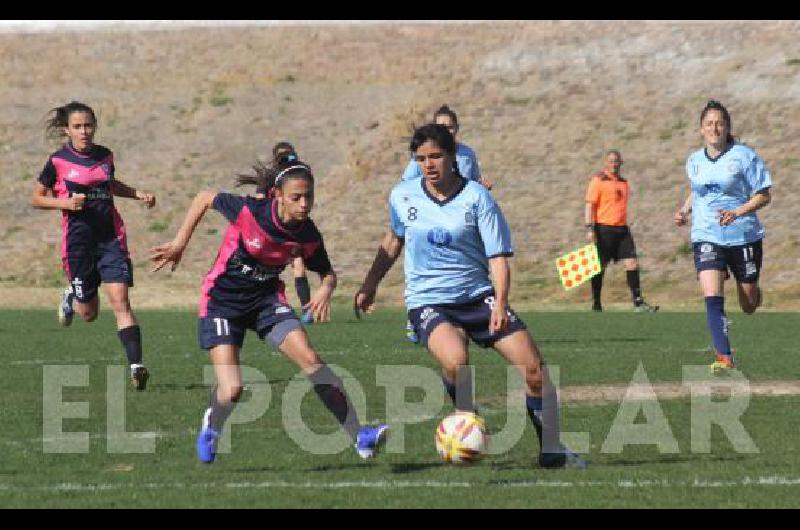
(370, 440)
(307, 318)
(411, 333)
(207, 445)
(65, 311)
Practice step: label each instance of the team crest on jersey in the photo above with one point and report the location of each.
(439, 237)
(104, 166)
(295, 251)
(733, 167)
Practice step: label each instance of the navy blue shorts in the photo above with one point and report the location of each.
(473, 317)
(273, 321)
(743, 261)
(89, 265)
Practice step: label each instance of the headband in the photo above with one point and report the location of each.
(290, 168)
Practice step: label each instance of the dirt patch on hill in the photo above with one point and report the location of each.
(539, 101)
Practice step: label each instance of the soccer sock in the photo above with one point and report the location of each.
(633, 284)
(131, 338)
(217, 413)
(329, 388)
(717, 324)
(303, 290)
(462, 391)
(597, 286)
(543, 412)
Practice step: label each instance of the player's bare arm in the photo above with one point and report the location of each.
(173, 251)
(388, 252)
(120, 189)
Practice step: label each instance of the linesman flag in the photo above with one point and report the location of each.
(578, 266)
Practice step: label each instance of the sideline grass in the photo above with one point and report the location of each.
(267, 469)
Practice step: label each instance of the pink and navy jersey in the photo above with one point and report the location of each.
(255, 250)
(68, 172)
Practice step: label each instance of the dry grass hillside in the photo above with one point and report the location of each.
(540, 101)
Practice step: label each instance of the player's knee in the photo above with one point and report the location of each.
(120, 305)
(450, 369)
(533, 377)
(88, 314)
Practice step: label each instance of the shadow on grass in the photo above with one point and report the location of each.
(673, 459)
(195, 386)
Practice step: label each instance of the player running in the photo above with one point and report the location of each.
(243, 291)
(79, 180)
(728, 184)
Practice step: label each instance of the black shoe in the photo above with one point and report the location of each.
(139, 377)
(597, 307)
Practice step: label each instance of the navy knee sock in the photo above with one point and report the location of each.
(718, 324)
(217, 413)
(131, 338)
(329, 388)
(543, 413)
(462, 391)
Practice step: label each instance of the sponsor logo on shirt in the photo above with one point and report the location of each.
(282, 309)
(253, 243)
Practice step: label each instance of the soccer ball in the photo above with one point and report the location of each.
(461, 437)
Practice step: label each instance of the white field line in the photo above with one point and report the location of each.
(772, 480)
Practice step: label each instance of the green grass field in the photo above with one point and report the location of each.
(267, 468)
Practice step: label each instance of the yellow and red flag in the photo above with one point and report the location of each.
(578, 266)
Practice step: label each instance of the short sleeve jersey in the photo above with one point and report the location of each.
(466, 160)
(725, 182)
(447, 243)
(609, 195)
(68, 172)
(256, 248)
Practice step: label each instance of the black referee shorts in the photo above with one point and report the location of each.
(614, 243)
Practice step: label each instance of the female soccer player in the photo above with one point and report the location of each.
(243, 291)
(283, 152)
(457, 245)
(728, 184)
(79, 180)
(466, 163)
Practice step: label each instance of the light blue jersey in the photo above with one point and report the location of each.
(465, 159)
(725, 183)
(447, 243)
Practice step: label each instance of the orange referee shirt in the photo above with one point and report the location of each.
(608, 195)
